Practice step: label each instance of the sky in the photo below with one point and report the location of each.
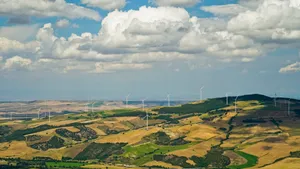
(107, 49)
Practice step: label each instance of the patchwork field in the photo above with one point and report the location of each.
(206, 134)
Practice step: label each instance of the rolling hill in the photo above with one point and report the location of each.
(204, 134)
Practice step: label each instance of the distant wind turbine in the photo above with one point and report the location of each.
(39, 113)
(168, 97)
(143, 102)
(236, 103)
(49, 112)
(147, 120)
(201, 93)
(93, 107)
(227, 98)
(275, 102)
(127, 100)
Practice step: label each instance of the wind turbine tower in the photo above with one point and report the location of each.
(147, 120)
(127, 100)
(49, 114)
(236, 103)
(39, 113)
(168, 96)
(143, 102)
(227, 98)
(275, 102)
(93, 107)
(201, 93)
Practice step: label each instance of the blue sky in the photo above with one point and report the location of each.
(105, 49)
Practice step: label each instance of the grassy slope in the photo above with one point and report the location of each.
(145, 152)
(251, 161)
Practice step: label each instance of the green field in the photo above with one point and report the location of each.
(251, 161)
(63, 164)
(144, 153)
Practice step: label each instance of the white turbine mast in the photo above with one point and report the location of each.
(49, 113)
(143, 102)
(227, 98)
(147, 116)
(275, 102)
(168, 97)
(147, 120)
(93, 107)
(201, 93)
(127, 100)
(39, 113)
(235, 101)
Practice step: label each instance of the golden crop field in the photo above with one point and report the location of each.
(162, 164)
(198, 150)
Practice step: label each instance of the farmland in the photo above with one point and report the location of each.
(208, 134)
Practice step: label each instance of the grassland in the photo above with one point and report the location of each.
(251, 161)
(64, 164)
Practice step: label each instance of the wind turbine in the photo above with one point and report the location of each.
(201, 93)
(168, 97)
(236, 103)
(93, 107)
(275, 102)
(39, 113)
(147, 120)
(143, 102)
(49, 113)
(127, 100)
(227, 98)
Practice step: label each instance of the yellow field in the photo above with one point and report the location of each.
(162, 164)
(198, 150)
(232, 142)
(289, 163)
(120, 119)
(74, 150)
(195, 132)
(130, 137)
(54, 122)
(96, 129)
(116, 125)
(269, 152)
(72, 129)
(19, 149)
(191, 120)
(49, 132)
(15, 125)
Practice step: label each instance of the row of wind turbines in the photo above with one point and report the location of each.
(168, 98)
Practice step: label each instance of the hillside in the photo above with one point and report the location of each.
(207, 134)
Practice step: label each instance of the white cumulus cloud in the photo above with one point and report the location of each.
(225, 10)
(177, 3)
(105, 4)
(295, 67)
(17, 63)
(111, 67)
(19, 32)
(46, 8)
(62, 23)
